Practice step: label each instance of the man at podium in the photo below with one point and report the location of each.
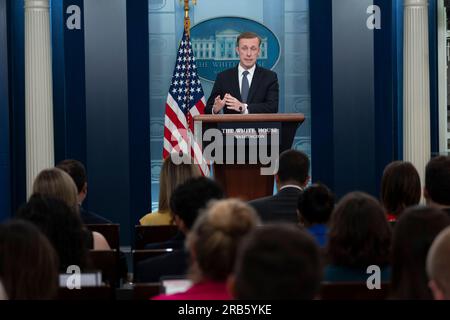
(246, 88)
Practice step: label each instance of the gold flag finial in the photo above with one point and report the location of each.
(187, 21)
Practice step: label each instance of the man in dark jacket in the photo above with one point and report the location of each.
(78, 173)
(291, 179)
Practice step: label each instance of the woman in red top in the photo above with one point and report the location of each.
(400, 188)
(213, 243)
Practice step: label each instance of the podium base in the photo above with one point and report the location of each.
(243, 181)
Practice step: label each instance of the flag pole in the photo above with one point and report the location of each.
(187, 27)
(187, 21)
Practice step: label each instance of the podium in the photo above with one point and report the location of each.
(238, 179)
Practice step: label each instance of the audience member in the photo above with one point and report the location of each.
(359, 237)
(315, 206)
(400, 188)
(57, 184)
(77, 172)
(213, 243)
(28, 262)
(62, 226)
(438, 266)
(172, 175)
(291, 179)
(277, 262)
(413, 235)
(185, 203)
(437, 183)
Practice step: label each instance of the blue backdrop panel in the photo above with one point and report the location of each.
(17, 102)
(107, 107)
(386, 81)
(68, 84)
(322, 113)
(5, 183)
(354, 86)
(434, 87)
(138, 108)
(353, 96)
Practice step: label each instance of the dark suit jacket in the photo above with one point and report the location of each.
(281, 207)
(171, 264)
(262, 96)
(92, 218)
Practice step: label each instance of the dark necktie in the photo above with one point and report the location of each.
(245, 86)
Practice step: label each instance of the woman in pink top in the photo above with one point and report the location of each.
(213, 243)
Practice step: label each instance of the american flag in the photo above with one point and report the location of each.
(184, 101)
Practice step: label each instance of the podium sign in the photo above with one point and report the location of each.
(244, 149)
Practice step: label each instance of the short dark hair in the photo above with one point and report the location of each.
(278, 262)
(247, 35)
(76, 170)
(359, 233)
(400, 187)
(437, 180)
(413, 235)
(188, 198)
(316, 204)
(62, 226)
(28, 262)
(293, 165)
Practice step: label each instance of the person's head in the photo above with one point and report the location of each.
(438, 266)
(277, 262)
(248, 48)
(172, 175)
(315, 205)
(413, 235)
(75, 169)
(359, 233)
(190, 197)
(28, 262)
(437, 181)
(55, 183)
(400, 187)
(215, 237)
(293, 168)
(62, 226)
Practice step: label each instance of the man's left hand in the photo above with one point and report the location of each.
(234, 104)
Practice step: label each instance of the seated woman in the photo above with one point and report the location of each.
(413, 235)
(28, 263)
(61, 225)
(57, 184)
(213, 243)
(359, 237)
(400, 188)
(172, 175)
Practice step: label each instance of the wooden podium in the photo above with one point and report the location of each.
(245, 181)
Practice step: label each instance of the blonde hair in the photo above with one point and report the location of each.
(57, 184)
(216, 235)
(172, 175)
(438, 261)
